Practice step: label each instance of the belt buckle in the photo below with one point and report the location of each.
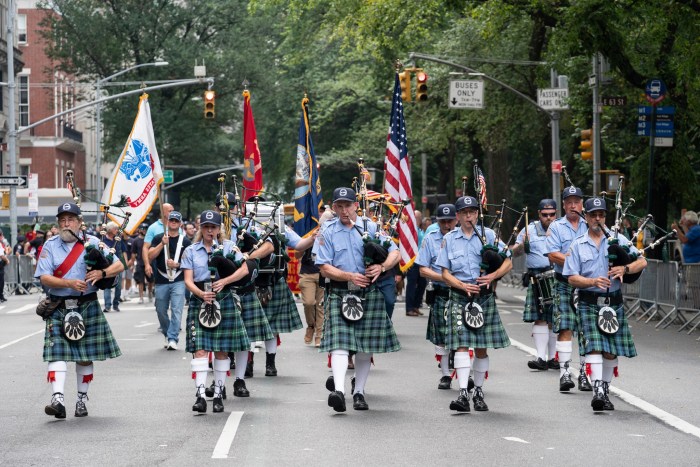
(602, 301)
(352, 287)
(71, 303)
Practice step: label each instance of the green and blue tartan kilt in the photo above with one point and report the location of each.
(437, 326)
(619, 344)
(532, 309)
(97, 345)
(492, 335)
(374, 333)
(564, 315)
(254, 319)
(229, 336)
(281, 311)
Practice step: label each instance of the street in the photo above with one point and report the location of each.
(140, 404)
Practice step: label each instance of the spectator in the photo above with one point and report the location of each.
(689, 236)
(190, 231)
(4, 261)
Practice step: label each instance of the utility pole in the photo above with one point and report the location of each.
(554, 123)
(596, 124)
(11, 123)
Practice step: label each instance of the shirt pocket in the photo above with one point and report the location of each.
(458, 259)
(588, 261)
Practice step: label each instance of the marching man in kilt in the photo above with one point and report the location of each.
(76, 330)
(560, 234)
(355, 315)
(605, 335)
(460, 259)
(427, 262)
(206, 333)
(540, 281)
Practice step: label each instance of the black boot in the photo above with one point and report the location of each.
(80, 409)
(270, 369)
(598, 402)
(249, 366)
(56, 407)
(239, 389)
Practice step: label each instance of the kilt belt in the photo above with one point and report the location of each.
(592, 298)
(80, 298)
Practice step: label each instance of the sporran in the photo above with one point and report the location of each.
(73, 326)
(473, 315)
(210, 314)
(351, 307)
(607, 320)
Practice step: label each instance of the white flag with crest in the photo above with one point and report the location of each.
(137, 175)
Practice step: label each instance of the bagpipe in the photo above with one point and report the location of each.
(620, 255)
(100, 257)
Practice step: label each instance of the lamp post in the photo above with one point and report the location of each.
(98, 121)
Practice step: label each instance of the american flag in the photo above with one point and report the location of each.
(482, 188)
(397, 181)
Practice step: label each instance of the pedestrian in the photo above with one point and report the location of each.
(352, 294)
(229, 335)
(4, 261)
(415, 283)
(112, 240)
(559, 237)
(539, 302)
(606, 332)
(76, 330)
(689, 235)
(154, 229)
(169, 280)
(468, 325)
(142, 281)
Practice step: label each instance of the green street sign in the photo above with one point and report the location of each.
(168, 176)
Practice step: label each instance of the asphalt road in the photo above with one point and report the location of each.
(140, 405)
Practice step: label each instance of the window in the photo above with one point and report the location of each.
(23, 101)
(21, 29)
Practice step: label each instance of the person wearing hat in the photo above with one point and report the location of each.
(588, 269)
(427, 263)
(531, 241)
(170, 284)
(61, 268)
(460, 258)
(560, 234)
(229, 335)
(158, 227)
(340, 256)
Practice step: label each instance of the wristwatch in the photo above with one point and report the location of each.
(627, 269)
(104, 274)
(383, 269)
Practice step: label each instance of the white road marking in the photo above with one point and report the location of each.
(21, 339)
(669, 419)
(227, 434)
(517, 440)
(144, 325)
(22, 308)
(2, 307)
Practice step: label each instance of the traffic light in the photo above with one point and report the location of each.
(405, 83)
(421, 86)
(209, 104)
(586, 145)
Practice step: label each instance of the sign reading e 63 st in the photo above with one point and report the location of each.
(14, 180)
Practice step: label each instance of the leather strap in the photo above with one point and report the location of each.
(70, 260)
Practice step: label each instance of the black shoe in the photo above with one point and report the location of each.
(239, 389)
(553, 364)
(56, 408)
(607, 405)
(218, 405)
(80, 409)
(358, 402)
(200, 406)
(470, 385)
(478, 399)
(445, 382)
(598, 402)
(352, 385)
(461, 404)
(538, 364)
(209, 392)
(565, 382)
(270, 369)
(116, 308)
(336, 399)
(583, 384)
(330, 383)
(249, 368)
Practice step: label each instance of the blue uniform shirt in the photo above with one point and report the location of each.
(342, 246)
(560, 235)
(461, 255)
(429, 251)
(538, 237)
(591, 261)
(196, 258)
(53, 253)
(292, 237)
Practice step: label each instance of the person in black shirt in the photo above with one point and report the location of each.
(139, 267)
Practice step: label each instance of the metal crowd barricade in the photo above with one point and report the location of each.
(646, 298)
(667, 293)
(689, 295)
(515, 275)
(12, 275)
(26, 272)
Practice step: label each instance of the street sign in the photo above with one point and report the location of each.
(168, 176)
(466, 94)
(33, 195)
(663, 127)
(663, 142)
(655, 91)
(556, 167)
(18, 180)
(613, 101)
(553, 98)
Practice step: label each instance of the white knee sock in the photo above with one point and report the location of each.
(481, 366)
(363, 363)
(83, 374)
(564, 348)
(552, 347)
(444, 364)
(596, 363)
(540, 334)
(241, 362)
(609, 369)
(200, 367)
(271, 345)
(339, 366)
(57, 376)
(462, 365)
(221, 368)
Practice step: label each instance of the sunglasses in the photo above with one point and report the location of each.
(548, 214)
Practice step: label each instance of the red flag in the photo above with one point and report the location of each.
(252, 167)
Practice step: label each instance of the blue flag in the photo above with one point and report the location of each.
(307, 193)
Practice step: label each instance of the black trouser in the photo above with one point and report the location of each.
(2, 283)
